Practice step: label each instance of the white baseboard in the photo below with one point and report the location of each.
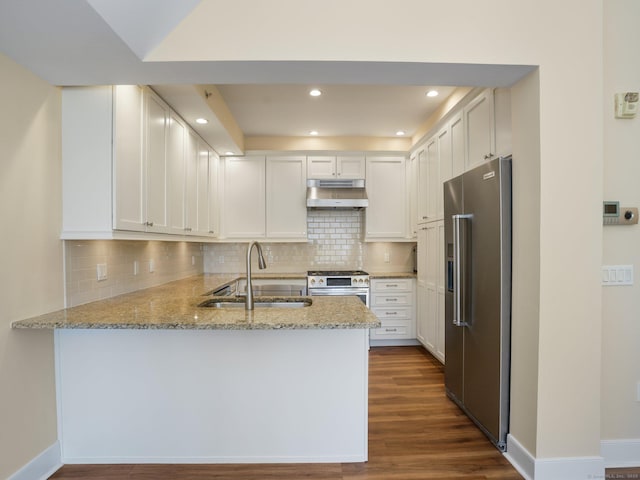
(565, 468)
(620, 453)
(520, 458)
(42, 466)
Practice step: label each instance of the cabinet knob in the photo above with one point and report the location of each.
(488, 156)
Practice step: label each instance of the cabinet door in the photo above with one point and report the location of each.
(423, 175)
(244, 194)
(421, 287)
(128, 159)
(191, 169)
(433, 178)
(202, 189)
(440, 280)
(214, 196)
(321, 167)
(286, 197)
(386, 216)
(350, 167)
(412, 183)
(156, 118)
(479, 125)
(457, 145)
(176, 174)
(445, 161)
(431, 287)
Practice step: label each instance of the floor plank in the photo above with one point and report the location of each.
(415, 433)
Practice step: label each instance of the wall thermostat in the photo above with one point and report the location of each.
(626, 104)
(612, 214)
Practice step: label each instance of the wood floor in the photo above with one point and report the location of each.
(415, 433)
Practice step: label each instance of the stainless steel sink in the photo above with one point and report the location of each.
(239, 303)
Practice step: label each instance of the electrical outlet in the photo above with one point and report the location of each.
(193, 259)
(152, 266)
(136, 267)
(220, 258)
(101, 271)
(613, 275)
(386, 257)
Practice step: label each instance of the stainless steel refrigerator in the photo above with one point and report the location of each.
(477, 215)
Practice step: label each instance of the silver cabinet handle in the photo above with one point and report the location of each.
(390, 313)
(149, 224)
(187, 229)
(391, 285)
(390, 329)
(457, 261)
(210, 231)
(390, 299)
(488, 156)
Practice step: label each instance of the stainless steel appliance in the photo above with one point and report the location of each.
(477, 214)
(336, 193)
(339, 282)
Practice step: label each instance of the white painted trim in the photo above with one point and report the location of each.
(565, 468)
(569, 468)
(520, 458)
(42, 466)
(213, 460)
(621, 453)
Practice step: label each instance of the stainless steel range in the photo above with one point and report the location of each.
(339, 282)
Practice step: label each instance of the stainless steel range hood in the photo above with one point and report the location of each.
(336, 194)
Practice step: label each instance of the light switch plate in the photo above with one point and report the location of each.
(615, 275)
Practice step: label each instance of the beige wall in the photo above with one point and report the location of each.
(31, 281)
(568, 50)
(621, 326)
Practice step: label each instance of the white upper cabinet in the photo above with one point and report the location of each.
(156, 121)
(456, 128)
(213, 204)
(176, 174)
(422, 184)
(479, 125)
(386, 216)
(129, 207)
(445, 166)
(286, 193)
(243, 205)
(433, 178)
(130, 166)
(412, 184)
(335, 167)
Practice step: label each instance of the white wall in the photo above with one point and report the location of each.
(621, 305)
(31, 279)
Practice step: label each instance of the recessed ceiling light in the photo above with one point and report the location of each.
(202, 121)
(400, 133)
(313, 132)
(432, 93)
(315, 92)
(228, 153)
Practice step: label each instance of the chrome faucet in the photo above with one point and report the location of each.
(261, 264)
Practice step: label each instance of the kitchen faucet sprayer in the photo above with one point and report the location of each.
(261, 265)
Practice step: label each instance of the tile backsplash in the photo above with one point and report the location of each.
(171, 261)
(335, 241)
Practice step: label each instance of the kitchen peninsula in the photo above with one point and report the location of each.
(150, 376)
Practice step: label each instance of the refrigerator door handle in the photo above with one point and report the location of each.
(458, 321)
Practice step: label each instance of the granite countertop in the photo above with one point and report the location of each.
(174, 305)
(392, 274)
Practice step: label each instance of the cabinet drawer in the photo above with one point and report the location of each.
(387, 314)
(399, 331)
(391, 285)
(380, 300)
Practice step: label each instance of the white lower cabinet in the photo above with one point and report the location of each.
(393, 302)
(431, 288)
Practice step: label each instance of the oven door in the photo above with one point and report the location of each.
(361, 293)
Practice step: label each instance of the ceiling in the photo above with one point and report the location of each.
(91, 42)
